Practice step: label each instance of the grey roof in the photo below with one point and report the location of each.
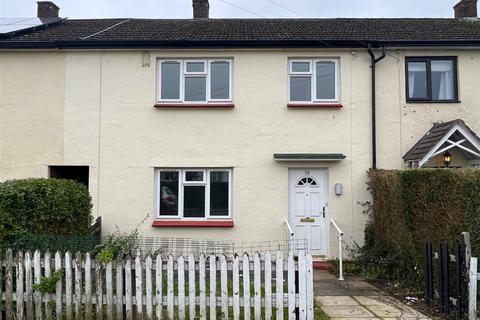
(432, 138)
(353, 32)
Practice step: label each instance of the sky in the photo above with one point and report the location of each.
(231, 8)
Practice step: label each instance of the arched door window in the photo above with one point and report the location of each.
(307, 181)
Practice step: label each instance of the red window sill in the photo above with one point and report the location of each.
(315, 105)
(195, 105)
(196, 224)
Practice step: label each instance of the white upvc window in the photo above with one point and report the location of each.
(313, 80)
(194, 194)
(194, 80)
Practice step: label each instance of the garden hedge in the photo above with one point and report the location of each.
(44, 207)
(411, 206)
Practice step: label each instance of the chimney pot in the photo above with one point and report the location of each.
(47, 9)
(466, 9)
(200, 9)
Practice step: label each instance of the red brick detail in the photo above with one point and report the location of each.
(195, 105)
(192, 224)
(315, 105)
(322, 265)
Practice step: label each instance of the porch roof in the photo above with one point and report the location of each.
(444, 136)
(309, 156)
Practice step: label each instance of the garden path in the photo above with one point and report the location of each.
(357, 299)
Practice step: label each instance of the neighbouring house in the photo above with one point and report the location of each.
(227, 128)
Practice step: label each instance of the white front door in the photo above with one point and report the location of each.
(307, 212)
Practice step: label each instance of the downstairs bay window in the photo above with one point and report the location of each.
(194, 194)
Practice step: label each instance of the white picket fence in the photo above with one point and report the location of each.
(146, 287)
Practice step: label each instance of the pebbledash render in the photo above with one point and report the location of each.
(227, 128)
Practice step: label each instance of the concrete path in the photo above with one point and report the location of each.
(357, 299)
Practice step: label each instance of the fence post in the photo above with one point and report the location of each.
(158, 287)
(428, 273)
(246, 286)
(78, 285)
(19, 291)
(213, 286)
(268, 285)
(88, 287)
(444, 277)
(224, 285)
(9, 285)
(236, 288)
(48, 274)
(460, 269)
(279, 285)
(472, 289)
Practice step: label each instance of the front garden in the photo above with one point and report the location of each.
(410, 207)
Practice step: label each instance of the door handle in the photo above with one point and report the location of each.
(323, 212)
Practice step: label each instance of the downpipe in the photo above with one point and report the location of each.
(374, 62)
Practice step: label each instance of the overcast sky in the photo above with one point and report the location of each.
(222, 8)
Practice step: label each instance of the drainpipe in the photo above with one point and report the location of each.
(374, 116)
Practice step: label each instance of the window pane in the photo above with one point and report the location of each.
(442, 80)
(417, 80)
(168, 193)
(300, 89)
(195, 88)
(219, 193)
(170, 80)
(195, 67)
(194, 176)
(194, 201)
(300, 66)
(325, 80)
(220, 80)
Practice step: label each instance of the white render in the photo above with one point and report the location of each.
(95, 108)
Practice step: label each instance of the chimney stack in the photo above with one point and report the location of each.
(466, 9)
(200, 9)
(47, 9)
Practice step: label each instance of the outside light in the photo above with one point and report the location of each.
(447, 158)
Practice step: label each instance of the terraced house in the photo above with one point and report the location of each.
(236, 128)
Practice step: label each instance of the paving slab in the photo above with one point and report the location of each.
(354, 318)
(326, 284)
(347, 312)
(337, 301)
(354, 298)
(375, 300)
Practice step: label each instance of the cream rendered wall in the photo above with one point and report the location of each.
(136, 138)
(406, 123)
(99, 109)
(32, 93)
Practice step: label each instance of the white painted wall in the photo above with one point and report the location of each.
(96, 108)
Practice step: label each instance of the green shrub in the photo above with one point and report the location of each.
(43, 206)
(410, 207)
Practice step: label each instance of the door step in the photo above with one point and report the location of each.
(321, 263)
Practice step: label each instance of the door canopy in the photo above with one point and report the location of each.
(441, 139)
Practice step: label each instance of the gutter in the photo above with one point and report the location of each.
(375, 60)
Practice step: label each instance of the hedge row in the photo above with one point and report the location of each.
(43, 207)
(412, 206)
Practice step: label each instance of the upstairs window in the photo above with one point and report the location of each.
(431, 79)
(313, 80)
(194, 193)
(195, 81)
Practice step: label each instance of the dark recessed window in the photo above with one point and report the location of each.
(77, 173)
(431, 79)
